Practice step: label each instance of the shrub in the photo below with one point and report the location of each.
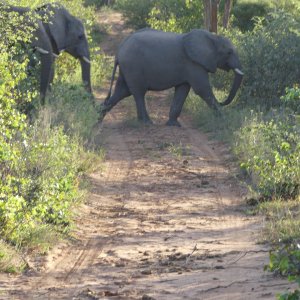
(176, 16)
(269, 150)
(245, 12)
(286, 261)
(136, 12)
(40, 165)
(290, 6)
(71, 107)
(269, 57)
(42, 183)
(291, 99)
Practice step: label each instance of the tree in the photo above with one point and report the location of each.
(207, 14)
(227, 11)
(211, 8)
(214, 15)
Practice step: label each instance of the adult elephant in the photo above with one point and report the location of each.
(67, 33)
(156, 60)
(39, 41)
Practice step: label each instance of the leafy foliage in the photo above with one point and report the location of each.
(245, 12)
(41, 184)
(269, 55)
(286, 261)
(71, 107)
(135, 11)
(41, 162)
(176, 16)
(167, 15)
(270, 152)
(291, 99)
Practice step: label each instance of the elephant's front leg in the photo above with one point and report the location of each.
(52, 75)
(181, 92)
(203, 89)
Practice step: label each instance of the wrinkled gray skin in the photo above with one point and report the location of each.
(40, 43)
(156, 60)
(67, 33)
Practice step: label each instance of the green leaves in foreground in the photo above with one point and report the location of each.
(41, 184)
(269, 151)
(286, 262)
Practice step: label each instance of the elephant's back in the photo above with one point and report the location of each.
(152, 57)
(149, 44)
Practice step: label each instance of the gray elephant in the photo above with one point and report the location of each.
(67, 33)
(156, 60)
(40, 43)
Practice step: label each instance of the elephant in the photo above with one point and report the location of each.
(155, 60)
(67, 33)
(39, 42)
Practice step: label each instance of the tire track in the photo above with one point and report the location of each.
(71, 262)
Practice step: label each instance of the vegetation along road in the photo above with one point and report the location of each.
(165, 219)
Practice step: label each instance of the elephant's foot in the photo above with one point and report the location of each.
(146, 121)
(101, 116)
(102, 111)
(173, 123)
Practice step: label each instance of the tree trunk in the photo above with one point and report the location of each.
(207, 14)
(214, 15)
(227, 11)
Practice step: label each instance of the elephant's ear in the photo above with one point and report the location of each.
(200, 48)
(58, 27)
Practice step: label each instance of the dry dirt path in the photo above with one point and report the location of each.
(164, 220)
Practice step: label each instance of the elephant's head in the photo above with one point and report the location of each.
(67, 33)
(211, 52)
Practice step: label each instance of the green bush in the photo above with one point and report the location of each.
(176, 16)
(291, 99)
(245, 12)
(286, 261)
(269, 56)
(40, 164)
(72, 107)
(290, 6)
(136, 12)
(269, 150)
(42, 183)
(99, 3)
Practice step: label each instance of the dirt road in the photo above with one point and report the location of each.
(165, 219)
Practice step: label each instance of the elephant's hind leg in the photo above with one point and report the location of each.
(141, 109)
(181, 92)
(121, 91)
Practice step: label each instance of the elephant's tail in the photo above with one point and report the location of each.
(112, 79)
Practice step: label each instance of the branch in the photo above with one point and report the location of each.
(223, 286)
(247, 252)
(189, 256)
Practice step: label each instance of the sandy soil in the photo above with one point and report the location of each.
(165, 219)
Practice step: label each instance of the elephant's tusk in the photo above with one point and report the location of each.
(55, 55)
(238, 71)
(86, 59)
(41, 50)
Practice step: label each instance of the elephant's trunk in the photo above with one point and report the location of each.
(235, 86)
(86, 73)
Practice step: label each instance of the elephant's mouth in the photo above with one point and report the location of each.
(235, 86)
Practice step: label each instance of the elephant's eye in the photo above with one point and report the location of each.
(81, 36)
